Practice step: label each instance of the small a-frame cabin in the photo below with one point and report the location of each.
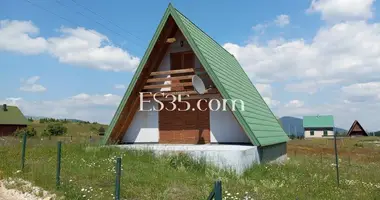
(178, 50)
(356, 130)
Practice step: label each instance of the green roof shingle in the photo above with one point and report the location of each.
(258, 121)
(229, 77)
(323, 121)
(13, 116)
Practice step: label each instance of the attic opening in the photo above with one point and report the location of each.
(172, 80)
(174, 74)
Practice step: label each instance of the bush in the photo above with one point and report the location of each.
(45, 133)
(101, 130)
(56, 129)
(30, 132)
(184, 161)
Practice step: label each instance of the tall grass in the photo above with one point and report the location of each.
(88, 172)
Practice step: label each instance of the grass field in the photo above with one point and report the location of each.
(88, 171)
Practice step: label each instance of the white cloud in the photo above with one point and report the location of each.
(89, 100)
(89, 48)
(260, 28)
(77, 46)
(362, 92)
(265, 91)
(83, 106)
(17, 36)
(343, 54)
(282, 20)
(30, 85)
(348, 51)
(119, 86)
(310, 87)
(336, 10)
(294, 104)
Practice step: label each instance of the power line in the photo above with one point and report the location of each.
(47, 10)
(104, 26)
(59, 16)
(109, 21)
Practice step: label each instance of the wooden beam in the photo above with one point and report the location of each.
(152, 80)
(178, 71)
(191, 92)
(167, 85)
(196, 96)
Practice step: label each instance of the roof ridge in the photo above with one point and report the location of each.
(203, 32)
(318, 116)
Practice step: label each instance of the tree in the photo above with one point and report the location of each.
(56, 129)
(30, 132)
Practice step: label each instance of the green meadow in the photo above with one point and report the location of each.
(88, 170)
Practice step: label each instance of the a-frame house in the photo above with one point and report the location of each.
(177, 51)
(356, 130)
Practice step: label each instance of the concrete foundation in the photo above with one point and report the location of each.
(237, 158)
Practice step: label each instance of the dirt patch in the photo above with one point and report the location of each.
(18, 189)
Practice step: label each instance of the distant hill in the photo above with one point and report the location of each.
(39, 117)
(341, 130)
(294, 126)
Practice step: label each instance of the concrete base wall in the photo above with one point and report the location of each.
(236, 158)
(273, 154)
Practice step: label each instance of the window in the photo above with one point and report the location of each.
(311, 132)
(324, 133)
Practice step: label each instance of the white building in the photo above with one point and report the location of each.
(318, 126)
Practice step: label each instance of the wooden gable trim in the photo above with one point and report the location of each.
(152, 64)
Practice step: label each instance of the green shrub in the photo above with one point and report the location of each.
(45, 133)
(359, 145)
(184, 161)
(56, 129)
(30, 132)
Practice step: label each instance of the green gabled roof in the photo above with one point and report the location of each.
(323, 121)
(257, 120)
(13, 116)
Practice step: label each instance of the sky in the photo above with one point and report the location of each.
(75, 58)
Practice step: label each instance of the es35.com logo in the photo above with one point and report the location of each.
(200, 104)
